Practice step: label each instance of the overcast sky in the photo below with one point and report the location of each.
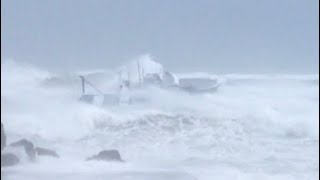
(219, 36)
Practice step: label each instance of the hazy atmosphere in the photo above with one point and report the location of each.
(159, 89)
(219, 36)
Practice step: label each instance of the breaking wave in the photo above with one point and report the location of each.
(245, 117)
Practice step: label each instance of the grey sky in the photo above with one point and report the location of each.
(220, 36)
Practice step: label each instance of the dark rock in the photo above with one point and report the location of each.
(28, 147)
(107, 155)
(46, 152)
(9, 159)
(3, 138)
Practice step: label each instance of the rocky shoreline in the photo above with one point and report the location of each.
(15, 152)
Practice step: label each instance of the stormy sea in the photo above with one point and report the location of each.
(254, 126)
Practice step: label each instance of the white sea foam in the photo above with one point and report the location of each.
(247, 130)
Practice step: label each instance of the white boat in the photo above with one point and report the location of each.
(141, 74)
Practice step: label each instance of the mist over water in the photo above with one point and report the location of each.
(253, 127)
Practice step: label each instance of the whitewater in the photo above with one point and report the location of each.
(262, 127)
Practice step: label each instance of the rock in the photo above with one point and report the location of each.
(19, 152)
(28, 147)
(46, 152)
(3, 138)
(9, 159)
(107, 155)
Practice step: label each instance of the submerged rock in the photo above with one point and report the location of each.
(9, 159)
(107, 155)
(3, 138)
(46, 152)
